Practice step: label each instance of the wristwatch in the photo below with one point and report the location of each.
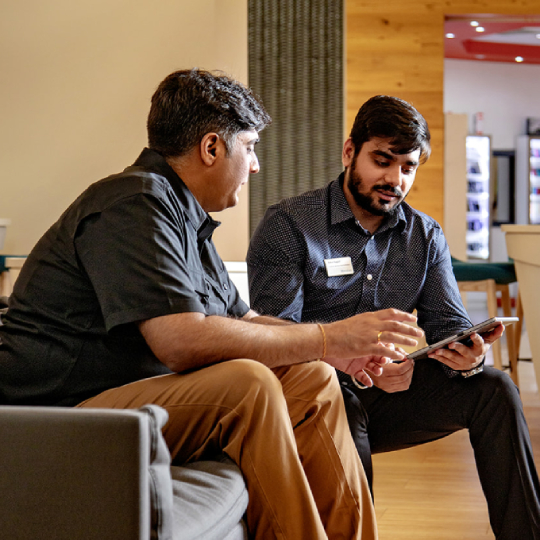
(473, 371)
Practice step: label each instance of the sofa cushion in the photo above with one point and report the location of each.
(210, 498)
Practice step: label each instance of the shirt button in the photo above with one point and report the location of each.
(370, 277)
(225, 286)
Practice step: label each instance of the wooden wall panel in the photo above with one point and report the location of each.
(396, 47)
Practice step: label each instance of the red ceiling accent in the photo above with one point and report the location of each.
(487, 46)
(501, 49)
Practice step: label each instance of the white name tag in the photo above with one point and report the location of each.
(338, 267)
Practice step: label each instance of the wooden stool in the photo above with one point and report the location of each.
(493, 278)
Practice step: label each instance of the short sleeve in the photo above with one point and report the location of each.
(138, 256)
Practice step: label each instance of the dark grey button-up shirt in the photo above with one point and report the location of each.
(133, 246)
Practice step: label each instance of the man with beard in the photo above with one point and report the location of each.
(355, 246)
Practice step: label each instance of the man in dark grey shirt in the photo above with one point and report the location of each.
(114, 257)
(355, 247)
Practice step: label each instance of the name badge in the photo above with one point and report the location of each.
(338, 267)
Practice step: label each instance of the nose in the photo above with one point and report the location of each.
(255, 168)
(393, 175)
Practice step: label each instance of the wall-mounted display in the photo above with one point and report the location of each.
(478, 201)
(528, 180)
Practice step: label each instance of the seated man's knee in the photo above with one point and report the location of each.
(252, 376)
(318, 378)
(501, 385)
(322, 372)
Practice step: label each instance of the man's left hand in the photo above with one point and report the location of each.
(461, 357)
(395, 377)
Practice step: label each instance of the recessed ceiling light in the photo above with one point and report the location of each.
(480, 56)
(452, 36)
(519, 58)
(474, 23)
(537, 36)
(480, 28)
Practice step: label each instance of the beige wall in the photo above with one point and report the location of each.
(77, 77)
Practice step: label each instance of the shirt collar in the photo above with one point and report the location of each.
(340, 210)
(202, 222)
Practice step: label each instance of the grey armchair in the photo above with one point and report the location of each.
(99, 474)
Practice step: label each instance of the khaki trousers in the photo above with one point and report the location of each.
(286, 429)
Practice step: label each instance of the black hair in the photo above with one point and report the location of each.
(392, 118)
(188, 104)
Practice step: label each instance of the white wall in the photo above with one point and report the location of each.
(506, 93)
(76, 81)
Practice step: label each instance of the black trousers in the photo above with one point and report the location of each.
(488, 405)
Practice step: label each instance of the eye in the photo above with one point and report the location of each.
(381, 163)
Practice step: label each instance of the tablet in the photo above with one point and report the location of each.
(482, 328)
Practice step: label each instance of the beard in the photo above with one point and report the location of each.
(370, 201)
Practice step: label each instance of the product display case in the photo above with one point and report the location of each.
(478, 195)
(528, 180)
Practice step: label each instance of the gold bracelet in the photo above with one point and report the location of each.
(323, 341)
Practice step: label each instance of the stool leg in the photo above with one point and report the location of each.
(519, 325)
(492, 312)
(510, 335)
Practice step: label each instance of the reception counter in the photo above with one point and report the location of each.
(523, 245)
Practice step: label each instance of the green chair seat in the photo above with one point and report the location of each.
(503, 273)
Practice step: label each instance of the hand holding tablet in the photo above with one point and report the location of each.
(481, 329)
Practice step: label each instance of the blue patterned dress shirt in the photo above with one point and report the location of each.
(405, 265)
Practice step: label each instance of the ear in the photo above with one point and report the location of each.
(211, 147)
(347, 155)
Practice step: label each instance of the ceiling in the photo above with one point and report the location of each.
(505, 38)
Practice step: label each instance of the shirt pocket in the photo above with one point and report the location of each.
(213, 294)
(201, 288)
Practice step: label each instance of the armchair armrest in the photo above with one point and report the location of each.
(85, 474)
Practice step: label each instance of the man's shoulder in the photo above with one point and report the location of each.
(125, 190)
(132, 181)
(314, 199)
(291, 218)
(119, 188)
(416, 219)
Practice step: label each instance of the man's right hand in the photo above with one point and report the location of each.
(368, 334)
(368, 341)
